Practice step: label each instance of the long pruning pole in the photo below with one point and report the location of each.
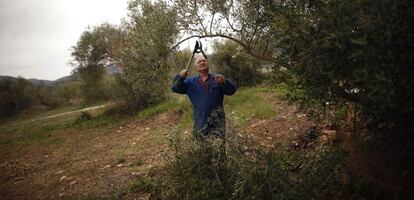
(192, 56)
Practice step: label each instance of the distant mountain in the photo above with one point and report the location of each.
(110, 69)
(5, 77)
(65, 79)
(40, 82)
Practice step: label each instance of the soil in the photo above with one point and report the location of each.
(287, 126)
(98, 163)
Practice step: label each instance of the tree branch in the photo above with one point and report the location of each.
(230, 24)
(248, 48)
(211, 23)
(200, 21)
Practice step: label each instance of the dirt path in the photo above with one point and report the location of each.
(98, 163)
(70, 112)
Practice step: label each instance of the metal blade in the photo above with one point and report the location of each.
(196, 47)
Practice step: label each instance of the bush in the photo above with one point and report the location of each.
(210, 169)
(84, 116)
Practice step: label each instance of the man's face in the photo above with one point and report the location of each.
(201, 64)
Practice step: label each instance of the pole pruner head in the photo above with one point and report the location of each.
(199, 49)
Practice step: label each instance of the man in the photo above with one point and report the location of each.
(206, 93)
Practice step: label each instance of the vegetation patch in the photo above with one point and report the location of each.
(86, 121)
(247, 104)
(208, 169)
(158, 108)
(57, 141)
(41, 133)
(137, 162)
(288, 92)
(143, 184)
(187, 119)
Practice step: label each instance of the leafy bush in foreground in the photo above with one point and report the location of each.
(210, 169)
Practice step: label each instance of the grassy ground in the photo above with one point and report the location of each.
(102, 155)
(23, 131)
(247, 104)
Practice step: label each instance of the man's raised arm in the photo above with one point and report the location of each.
(179, 85)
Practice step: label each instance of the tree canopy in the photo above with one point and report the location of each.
(151, 30)
(97, 47)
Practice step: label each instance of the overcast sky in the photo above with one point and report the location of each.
(36, 35)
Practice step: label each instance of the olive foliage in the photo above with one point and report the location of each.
(151, 30)
(96, 48)
(351, 51)
(234, 63)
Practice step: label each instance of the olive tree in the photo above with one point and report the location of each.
(351, 51)
(151, 30)
(233, 62)
(97, 47)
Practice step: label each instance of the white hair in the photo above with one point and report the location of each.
(198, 57)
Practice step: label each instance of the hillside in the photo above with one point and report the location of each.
(102, 157)
(110, 69)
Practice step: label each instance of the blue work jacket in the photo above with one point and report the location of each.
(207, 101)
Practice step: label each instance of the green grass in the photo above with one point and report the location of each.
(100, 121)
(187, 120)
(106, 119)
(137, 162)
(22, 131)
(34, 114)
(15, 138)
(43, 132)
(247, 103)
(57, 141)
(158, 108)
(142, 184)
(289, 93)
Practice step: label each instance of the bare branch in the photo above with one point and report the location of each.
(230, 24)
(180, 42)
(211, 22)
(201, 23)
(199, 19)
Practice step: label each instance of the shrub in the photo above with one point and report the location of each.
(210, 169)
(84, 116)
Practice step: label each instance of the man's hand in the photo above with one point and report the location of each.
(183, 73)
(219, 78)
